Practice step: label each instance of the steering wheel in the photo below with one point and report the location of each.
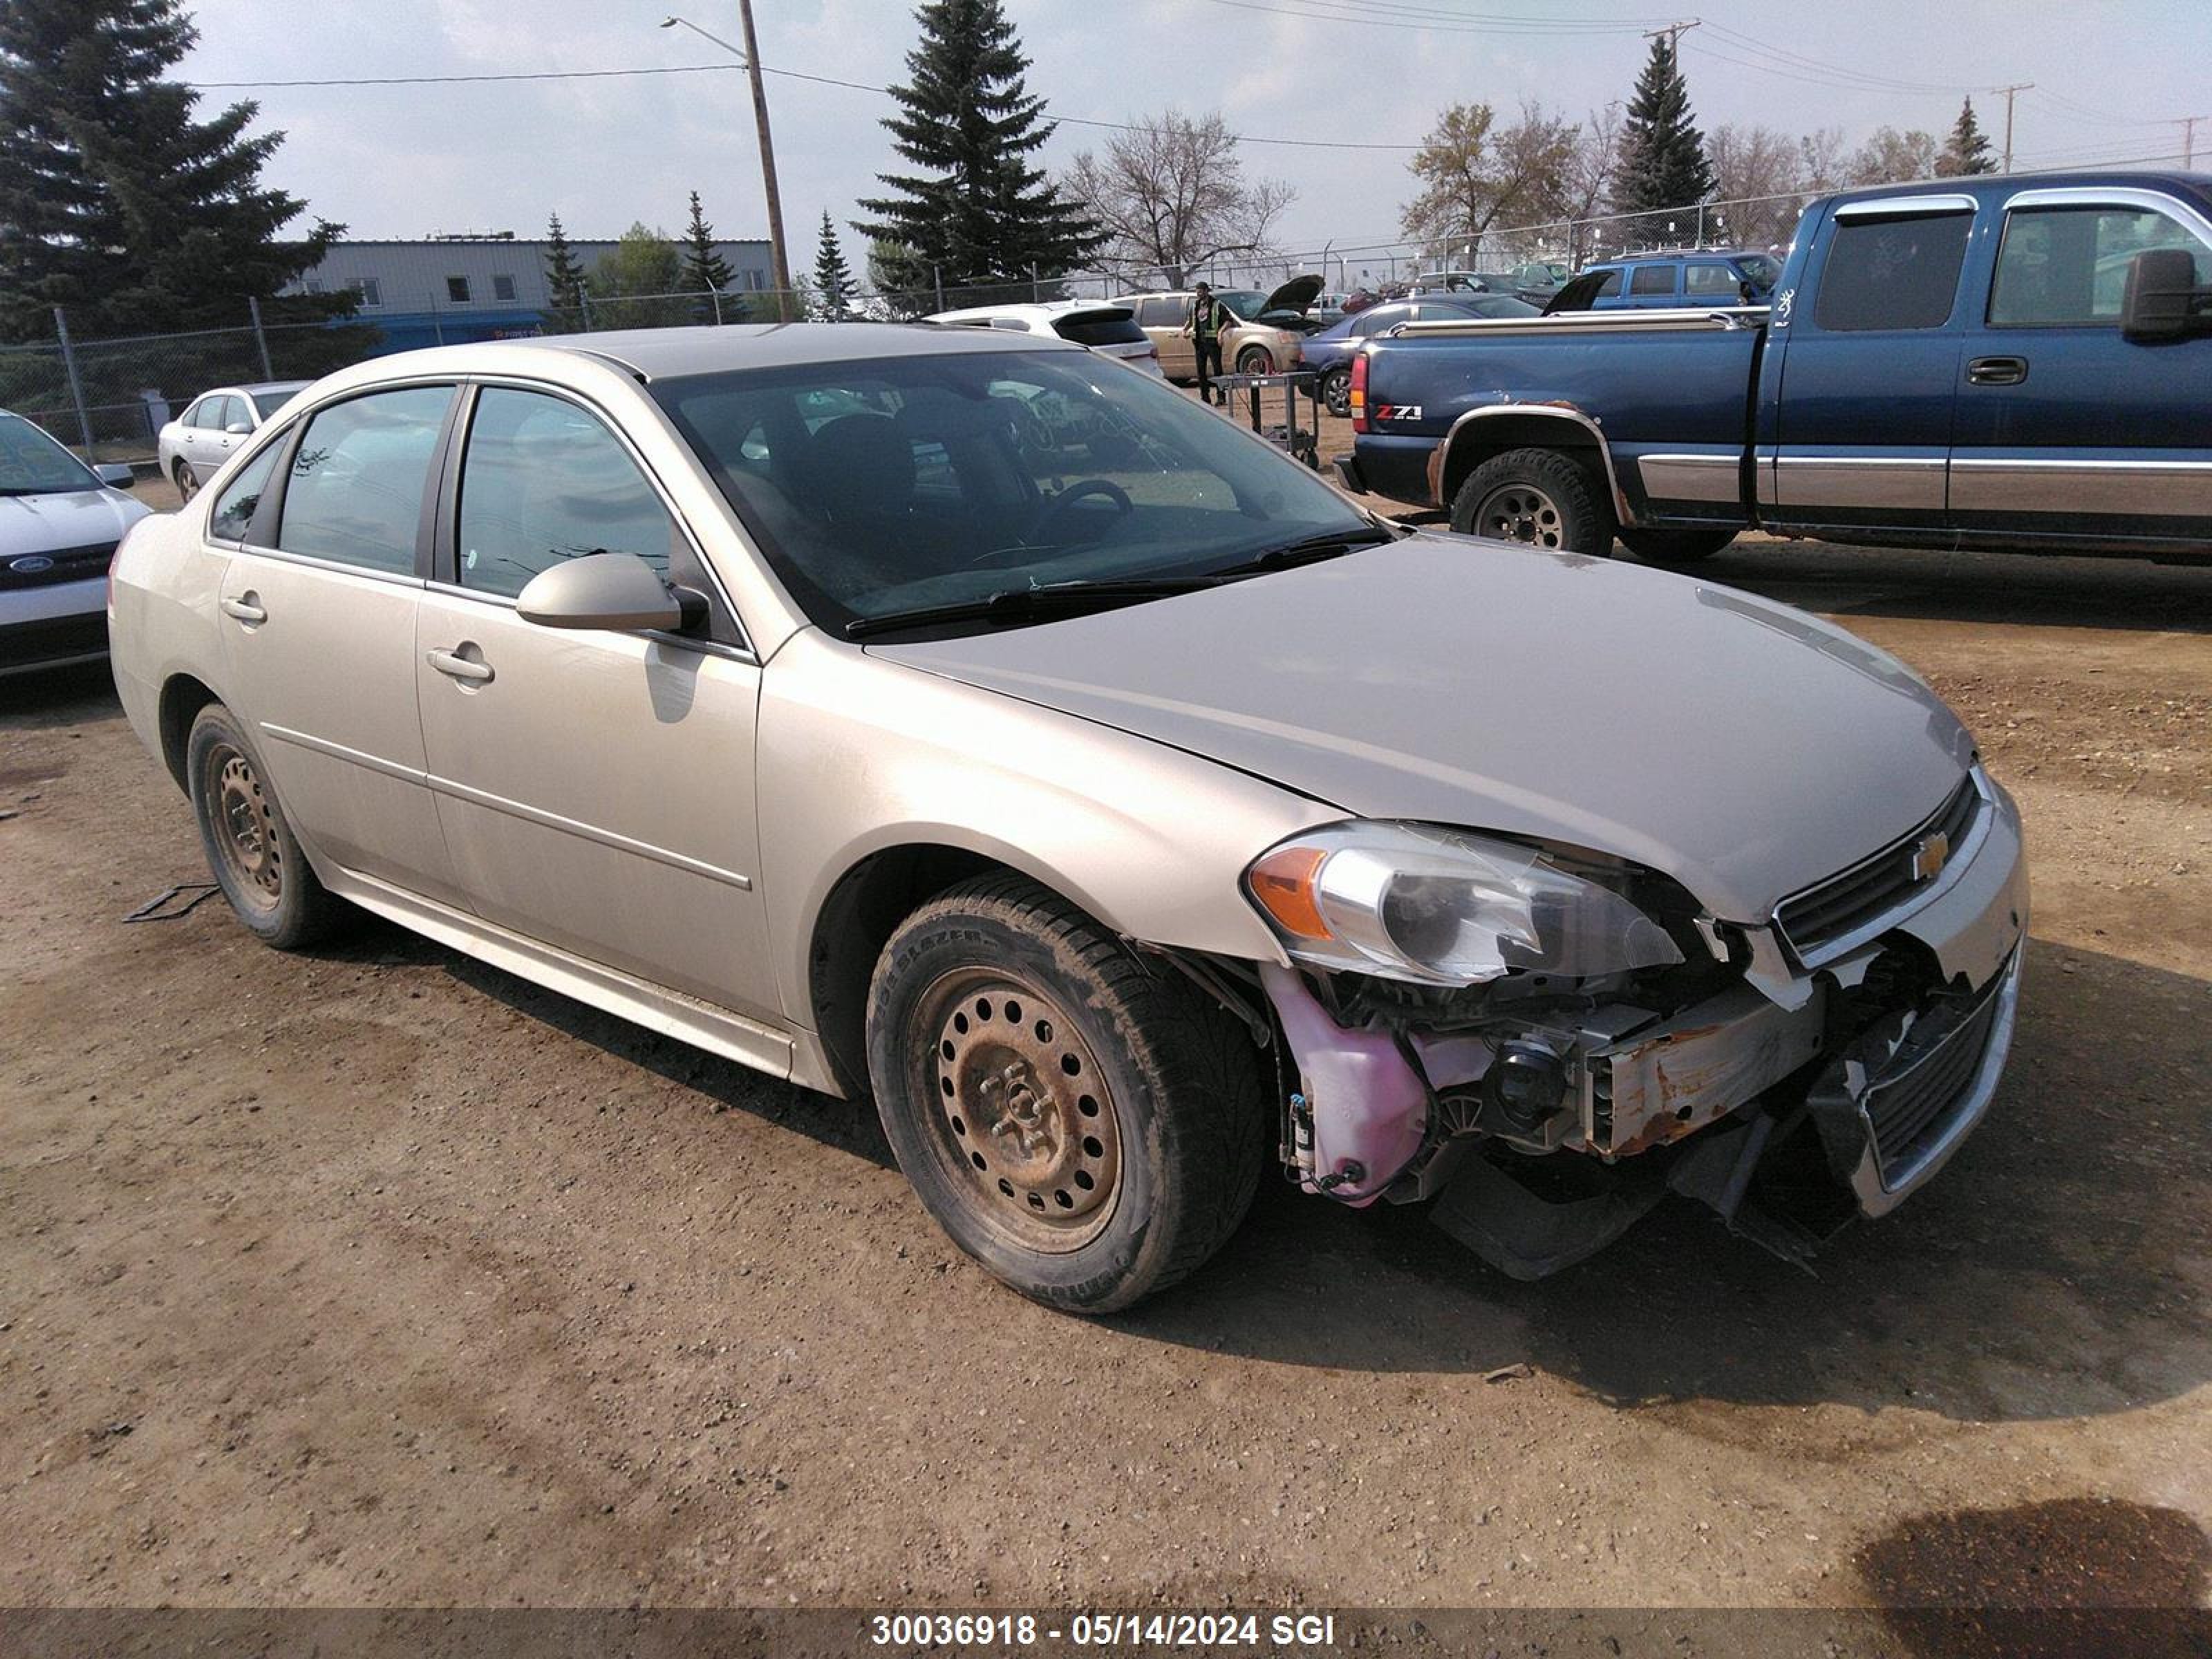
(1049, 519)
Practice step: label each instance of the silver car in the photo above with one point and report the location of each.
(1120, 807)
(195, 443)
(60, 522)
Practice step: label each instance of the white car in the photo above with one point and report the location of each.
(193, 445)
(1110, 329)
(60, 522)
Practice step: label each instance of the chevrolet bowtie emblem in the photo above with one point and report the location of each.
(1929, 854)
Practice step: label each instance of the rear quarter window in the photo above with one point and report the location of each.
(1653, 279)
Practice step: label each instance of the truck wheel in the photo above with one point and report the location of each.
(1539, 497)
(256, 860)
(1336, 391)
(1254, 360)
(1675, 546)
(1088, 1129)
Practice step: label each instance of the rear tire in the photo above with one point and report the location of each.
(1541, 498)
(1671, 548)
(255, 857)
(187, 479)
(1089, 1129)
(1336, 391)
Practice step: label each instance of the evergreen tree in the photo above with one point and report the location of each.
(564, 280)
(705, 269)
(833, 278)
(1662, 154)
(115, 202)
(976, 210)
(1966, 150)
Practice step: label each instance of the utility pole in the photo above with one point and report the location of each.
(779, 260)
(2008, 94)
(1673, 31)
(2189, 139)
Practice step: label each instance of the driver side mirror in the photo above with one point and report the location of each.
(116, 475)
(238, 430)
(607, 590)
(2162, 299)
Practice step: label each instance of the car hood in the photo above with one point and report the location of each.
(68, 517)
(1743, 748)
(1295, 295)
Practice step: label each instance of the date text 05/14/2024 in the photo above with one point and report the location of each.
(1105, 1630)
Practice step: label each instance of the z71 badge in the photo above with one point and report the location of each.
(1397, 411)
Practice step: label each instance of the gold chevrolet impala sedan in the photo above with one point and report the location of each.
(960, 720)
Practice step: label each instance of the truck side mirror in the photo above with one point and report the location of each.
(2160, 301)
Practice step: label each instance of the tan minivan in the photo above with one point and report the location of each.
(1263, 337)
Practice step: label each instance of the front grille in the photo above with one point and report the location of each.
(1912, 1102)
(71, 564)
(1842, 905)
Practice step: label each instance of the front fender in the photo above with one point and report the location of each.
(858, 755)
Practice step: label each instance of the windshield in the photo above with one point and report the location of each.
(885, 486)
(31, 463)
(1760, 269)
(1243, 301)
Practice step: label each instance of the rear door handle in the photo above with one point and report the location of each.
(1996, 371)
(457, 666)
(245, 609)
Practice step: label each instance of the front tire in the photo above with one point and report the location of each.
(251, 849)
(1671, 548)
(1538, 497)
(1089, 1129)
(1254, 360)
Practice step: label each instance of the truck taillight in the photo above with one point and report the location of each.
(1359, 393)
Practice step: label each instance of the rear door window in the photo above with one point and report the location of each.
(354, 491)
(544, 481)
(1899, 273)
(1653, 279)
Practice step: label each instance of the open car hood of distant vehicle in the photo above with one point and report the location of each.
(1577, 295)
(1294, 297)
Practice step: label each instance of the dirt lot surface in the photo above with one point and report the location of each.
(378, 1277)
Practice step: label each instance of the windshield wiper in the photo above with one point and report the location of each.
(1029, 604)
(1309, 549)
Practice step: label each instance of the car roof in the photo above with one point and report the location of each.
(662, 354)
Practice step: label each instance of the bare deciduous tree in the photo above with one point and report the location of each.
(1891, 156)
(1823, 164)
(1751, 163)
(1172, 194)
(1589, 176)
(1475, 174)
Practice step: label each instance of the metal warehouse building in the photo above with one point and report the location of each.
(445, 290)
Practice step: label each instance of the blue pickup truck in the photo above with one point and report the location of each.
(1999, 361)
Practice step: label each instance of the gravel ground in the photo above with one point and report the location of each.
(376, 1277)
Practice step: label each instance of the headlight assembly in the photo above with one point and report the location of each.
(1441, 907)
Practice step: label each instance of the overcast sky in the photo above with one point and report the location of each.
(410, 160)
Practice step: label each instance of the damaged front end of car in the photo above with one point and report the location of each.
(1547, 1040)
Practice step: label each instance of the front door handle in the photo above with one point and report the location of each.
(1996, 371)
(245, 609)
(457, 666)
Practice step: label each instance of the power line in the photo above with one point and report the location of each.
(717, 69)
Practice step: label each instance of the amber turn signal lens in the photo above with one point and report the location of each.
(1283, 883)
